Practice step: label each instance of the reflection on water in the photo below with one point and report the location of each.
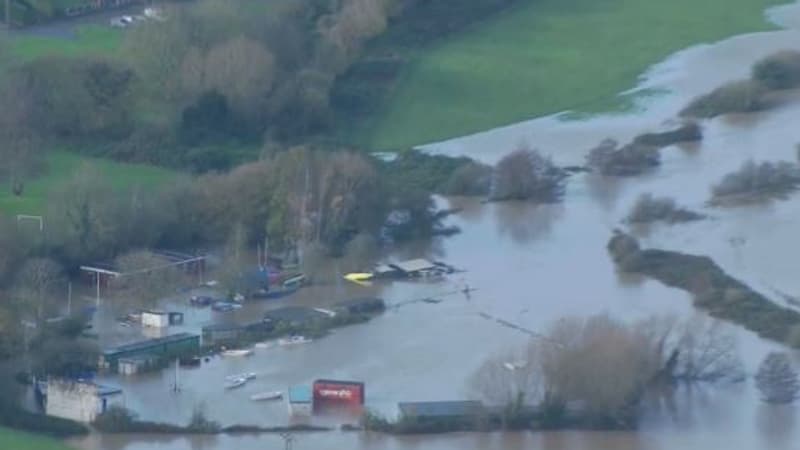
(532, 265)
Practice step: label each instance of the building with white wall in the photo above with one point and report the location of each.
(81, 401)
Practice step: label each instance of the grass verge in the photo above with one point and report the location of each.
(17, 440)
(542, 57)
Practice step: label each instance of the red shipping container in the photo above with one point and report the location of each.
(333, 393)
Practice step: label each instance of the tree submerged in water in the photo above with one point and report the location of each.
(525, 174)
(777, 380)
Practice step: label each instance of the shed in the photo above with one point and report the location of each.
(136, 364)
(294, 315)
(155, 319)
(301, 399)
(172, 345)
(369, 305)
(452, 410)
(81, 401)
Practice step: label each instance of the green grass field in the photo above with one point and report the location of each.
(542, 57)
(16, 440)
(89, 40)
(62, 165)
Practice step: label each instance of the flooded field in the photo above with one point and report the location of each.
(532, 265)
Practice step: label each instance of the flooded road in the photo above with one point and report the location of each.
(532, 265)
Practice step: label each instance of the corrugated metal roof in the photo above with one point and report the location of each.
(151, 343)
(415, 265)
(300, 394)
(440, 409)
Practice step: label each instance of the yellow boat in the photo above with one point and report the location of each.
(359, 278)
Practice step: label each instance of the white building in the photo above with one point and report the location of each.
(155, 319)
(81, 401)
(300, 401)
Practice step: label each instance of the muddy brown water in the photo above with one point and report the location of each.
(532, 265)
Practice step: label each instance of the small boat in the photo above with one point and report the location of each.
(242, 376)
(359, 276)
(293, 340)
(233, 384)
(265, 345)
(238, 352)
(515, 365)
(262, 396)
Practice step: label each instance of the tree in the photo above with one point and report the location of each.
(780, 70)
(86, 217)
(525, 174)
(36, 286)
(145, 278)
(600, 363)
(777, 380)
(512, 382)
(243, 71)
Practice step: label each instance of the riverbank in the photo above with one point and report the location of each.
(542, 57)
(17, 440)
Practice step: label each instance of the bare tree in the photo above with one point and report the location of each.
(707, 352)
(243, 71)
(145, 278)
(599, 363)
(777, 380)
(36, 285)
(525, 174)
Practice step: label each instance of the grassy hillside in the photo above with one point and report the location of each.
(542, 57)
(62, 165)
(10, 439)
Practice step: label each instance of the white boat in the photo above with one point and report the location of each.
(262, 396)
(238, 352)
(233, 384)
(246, 376)
(294, 340)
(265, 345)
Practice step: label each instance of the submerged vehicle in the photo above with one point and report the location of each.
(262, 396)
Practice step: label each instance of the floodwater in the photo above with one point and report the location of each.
(532, 265)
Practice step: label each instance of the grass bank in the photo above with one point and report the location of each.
(16, 440)
(541, 57)
(61, 165)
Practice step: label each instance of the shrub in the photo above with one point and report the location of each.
(779, 70)
(649, 209)
(689, 132)
(525, 174)
(633, 159)
(471, 179)
(736, 96)
(777, 380)
(758, 179)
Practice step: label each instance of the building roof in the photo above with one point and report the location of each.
(300, 394)
(440, 409)
(102, 390)
(143, 345)
(415, 265)
(294, 314)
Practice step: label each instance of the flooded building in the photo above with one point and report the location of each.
(173, 345)
(361, 306)
(301, 400)
(161, 319)
(450, 411)
(294, 316)
(221, 333)
(81, 401)
(337, 394)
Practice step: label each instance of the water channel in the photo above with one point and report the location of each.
(532, 265)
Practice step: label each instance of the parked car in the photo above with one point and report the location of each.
(225, 306)
(201, 300)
